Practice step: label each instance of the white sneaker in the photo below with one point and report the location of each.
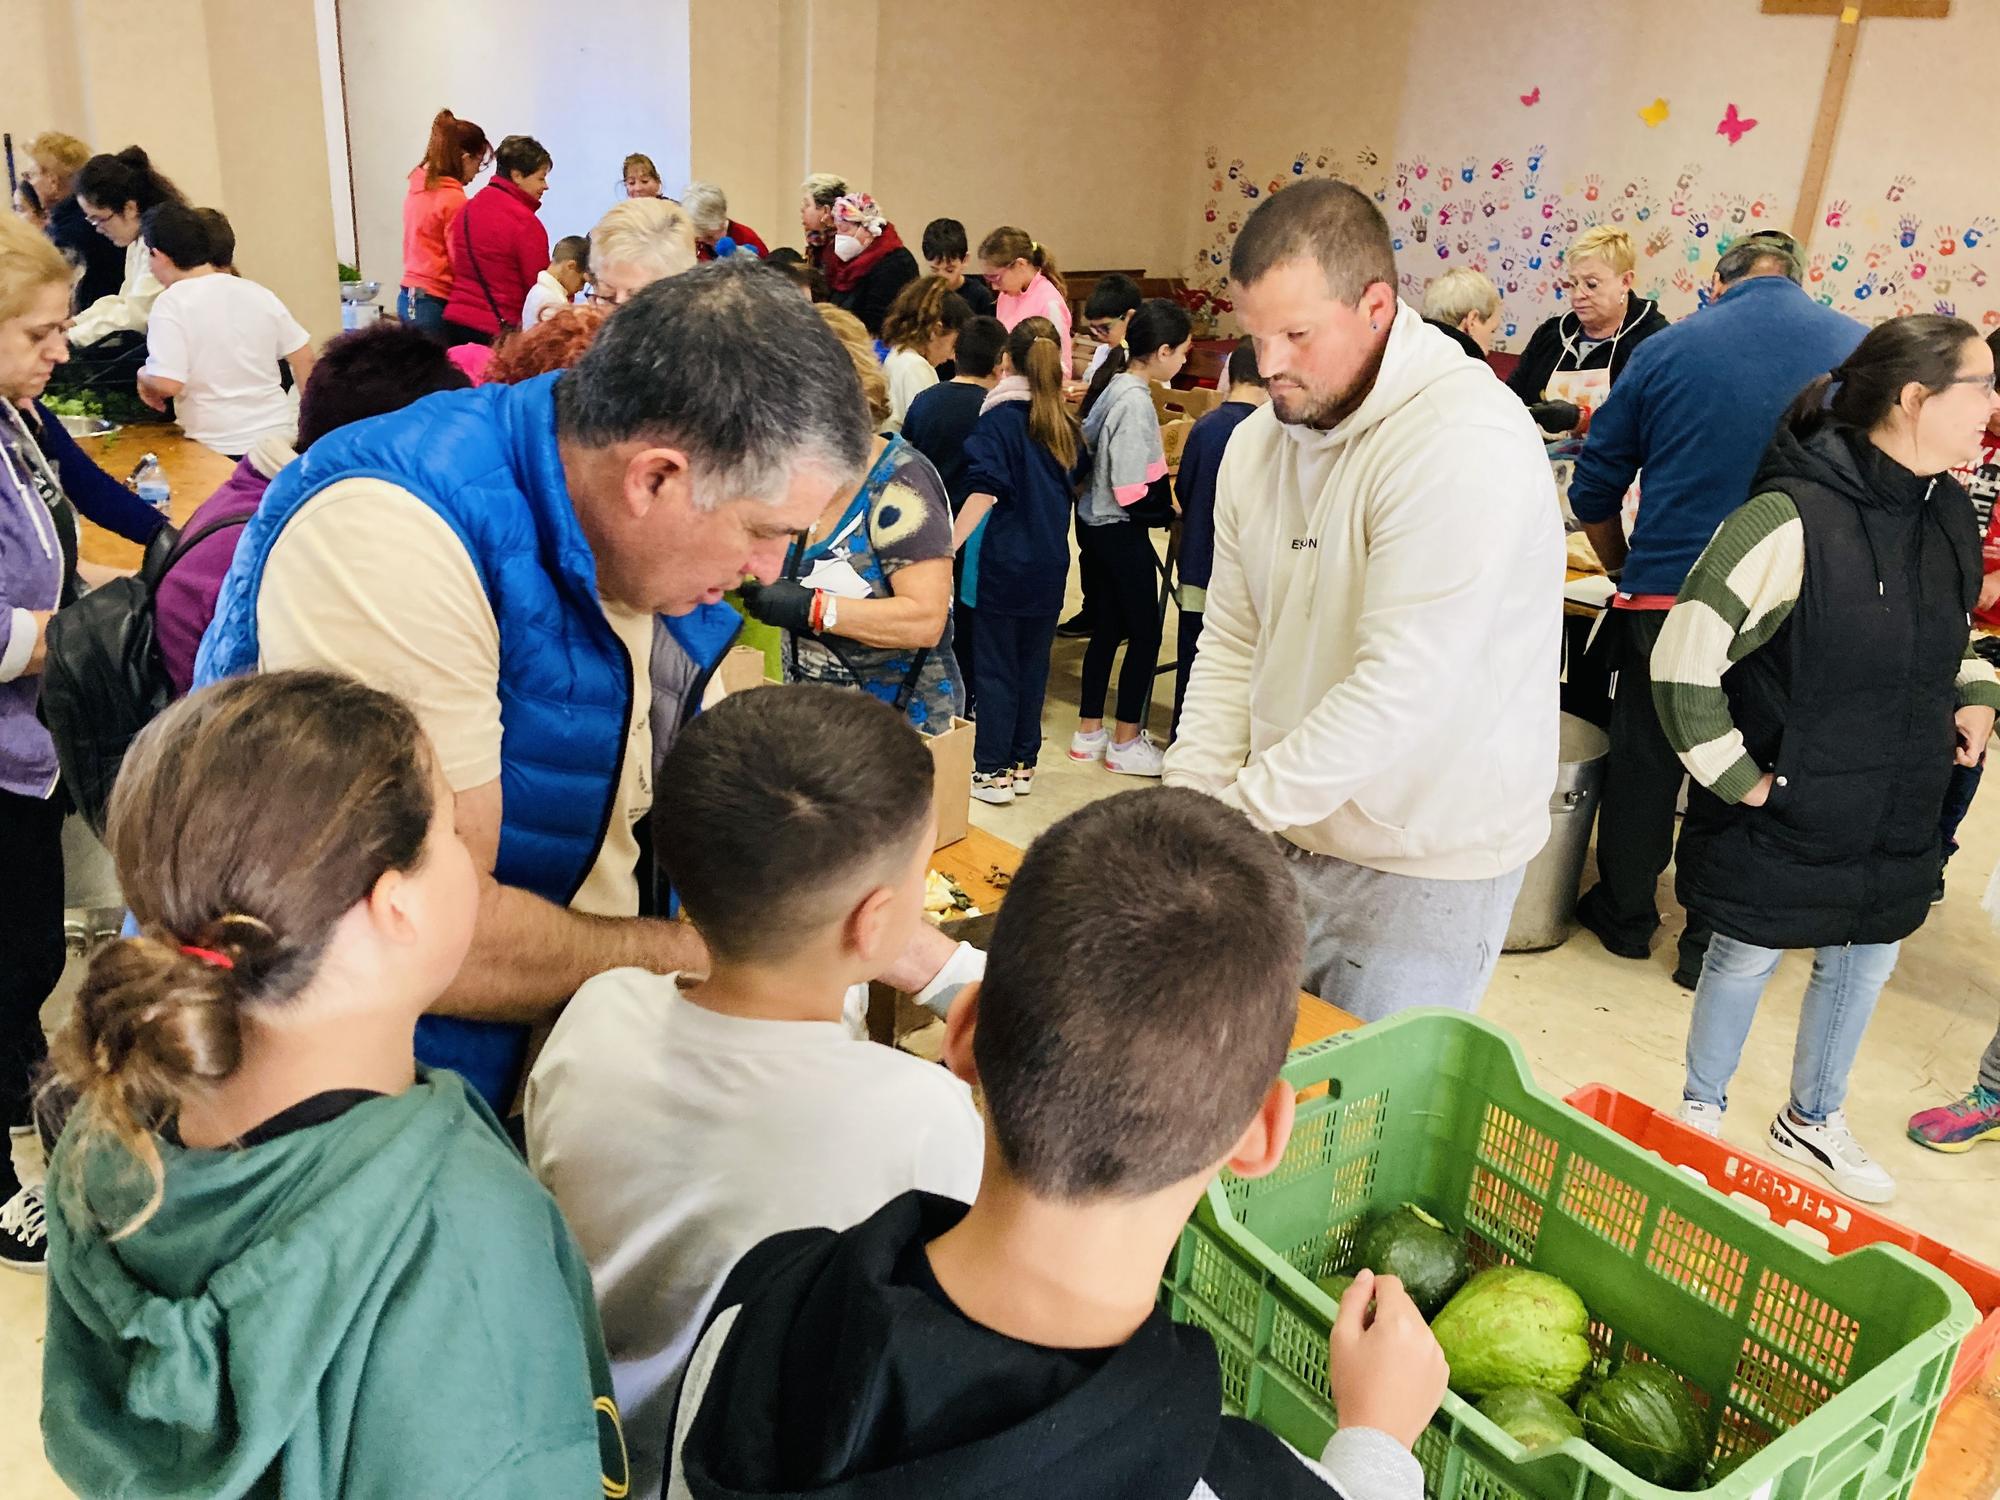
(1138, 756)
(1024, 781)
(1705, 1117)
(994, 787)
(1089, 746)
(1831, 1150)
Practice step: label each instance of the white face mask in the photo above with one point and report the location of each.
(846, 246)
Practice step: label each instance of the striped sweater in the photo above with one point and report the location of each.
(1740, 592)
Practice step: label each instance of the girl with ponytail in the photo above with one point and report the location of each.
(1026, 284)
(1815, 679)
(921, 331)
(1022, 464)
(457, 152)
(1128, 465)
(269, 1232)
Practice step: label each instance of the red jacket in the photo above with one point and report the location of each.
(743, 234)
(509, 248)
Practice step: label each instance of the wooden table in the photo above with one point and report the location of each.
(192, 470)
(1963, 1462)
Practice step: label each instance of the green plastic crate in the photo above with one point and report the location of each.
(1833, 1368)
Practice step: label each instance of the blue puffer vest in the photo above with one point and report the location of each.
(486, 461)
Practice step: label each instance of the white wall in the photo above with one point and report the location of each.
(589, 84)
(326, 30)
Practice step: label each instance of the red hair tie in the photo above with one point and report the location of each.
(209, 956)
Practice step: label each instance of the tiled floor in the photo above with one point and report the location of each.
(1580, 1015)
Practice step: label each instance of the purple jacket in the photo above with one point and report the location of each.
(41, 471)
(184, 602)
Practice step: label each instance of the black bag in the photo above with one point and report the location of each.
(103, 680)
(1156, 507)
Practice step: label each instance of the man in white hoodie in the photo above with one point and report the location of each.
(1378, 670)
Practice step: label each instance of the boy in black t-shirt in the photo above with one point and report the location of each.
(946, 250)
(937, 425)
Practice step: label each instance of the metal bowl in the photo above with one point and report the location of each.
(360, 291)
(88, 427)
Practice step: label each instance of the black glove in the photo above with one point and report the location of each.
(785, 604)
(1556, 416)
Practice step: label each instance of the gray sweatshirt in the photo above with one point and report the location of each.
(1123, 435)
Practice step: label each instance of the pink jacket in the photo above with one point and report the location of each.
(512, 249)
(427, 216)
(1040, 300)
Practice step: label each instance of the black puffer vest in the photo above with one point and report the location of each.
(1851, 704)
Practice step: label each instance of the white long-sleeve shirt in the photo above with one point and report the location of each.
(1380, 649)
(126, 310)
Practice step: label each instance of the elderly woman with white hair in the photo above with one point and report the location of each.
(1465, 305)
(638, 242)
(870, 263)
(817, 195)
(708, 210)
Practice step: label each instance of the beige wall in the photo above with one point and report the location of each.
(223, 94)
(1401, 99)
(952, 108)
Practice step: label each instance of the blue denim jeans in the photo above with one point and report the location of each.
(420, 308)
(1839, 1000)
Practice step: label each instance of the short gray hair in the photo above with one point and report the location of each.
(707, 206)
(649, 232)
(823, 188)
(1759, 252)
(1333, 223)
(1459, 292)
(731, 365)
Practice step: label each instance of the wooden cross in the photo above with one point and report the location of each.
(1833, 94)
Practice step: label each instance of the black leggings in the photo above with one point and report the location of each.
(31, 941)
(1127, 610)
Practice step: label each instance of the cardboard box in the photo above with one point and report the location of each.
(743, 667)
(951, 753)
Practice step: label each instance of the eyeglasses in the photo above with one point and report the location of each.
(1101, 330)
(1985, 382)
(603, 296)
(98, 220)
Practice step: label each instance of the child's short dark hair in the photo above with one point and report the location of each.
(944, 239)
(1140, 993)
(1114, 296)
(574, 248)
(772, 804)
(979, 344)
(1243, 364)
(179, 233)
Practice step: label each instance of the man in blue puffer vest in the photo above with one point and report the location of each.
(498, 557)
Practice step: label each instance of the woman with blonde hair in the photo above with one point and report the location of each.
(1026, 283)
(54, 159)
(865, 598)
(1576, 357)
(921, 331)
(636, 243)
(41, 474)
(817, 195)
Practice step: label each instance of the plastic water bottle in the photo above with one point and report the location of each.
(150, 481)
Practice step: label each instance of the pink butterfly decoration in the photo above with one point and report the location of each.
(1534, 97)
(1734, 125)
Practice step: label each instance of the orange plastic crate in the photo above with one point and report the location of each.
(1791, 1200)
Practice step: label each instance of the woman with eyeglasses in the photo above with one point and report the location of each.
(44, 480)
(498, 245)
(1574, 358)
(108, 340)
(636, 243)
(1814, 678)
(457, 153)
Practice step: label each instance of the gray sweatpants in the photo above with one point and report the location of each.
(1378, 943)
(1989, 1065)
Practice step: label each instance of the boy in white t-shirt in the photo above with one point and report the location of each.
(679, 1122)
(556, 288)
(214, 340)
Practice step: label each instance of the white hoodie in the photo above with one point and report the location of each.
(1379, 656)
